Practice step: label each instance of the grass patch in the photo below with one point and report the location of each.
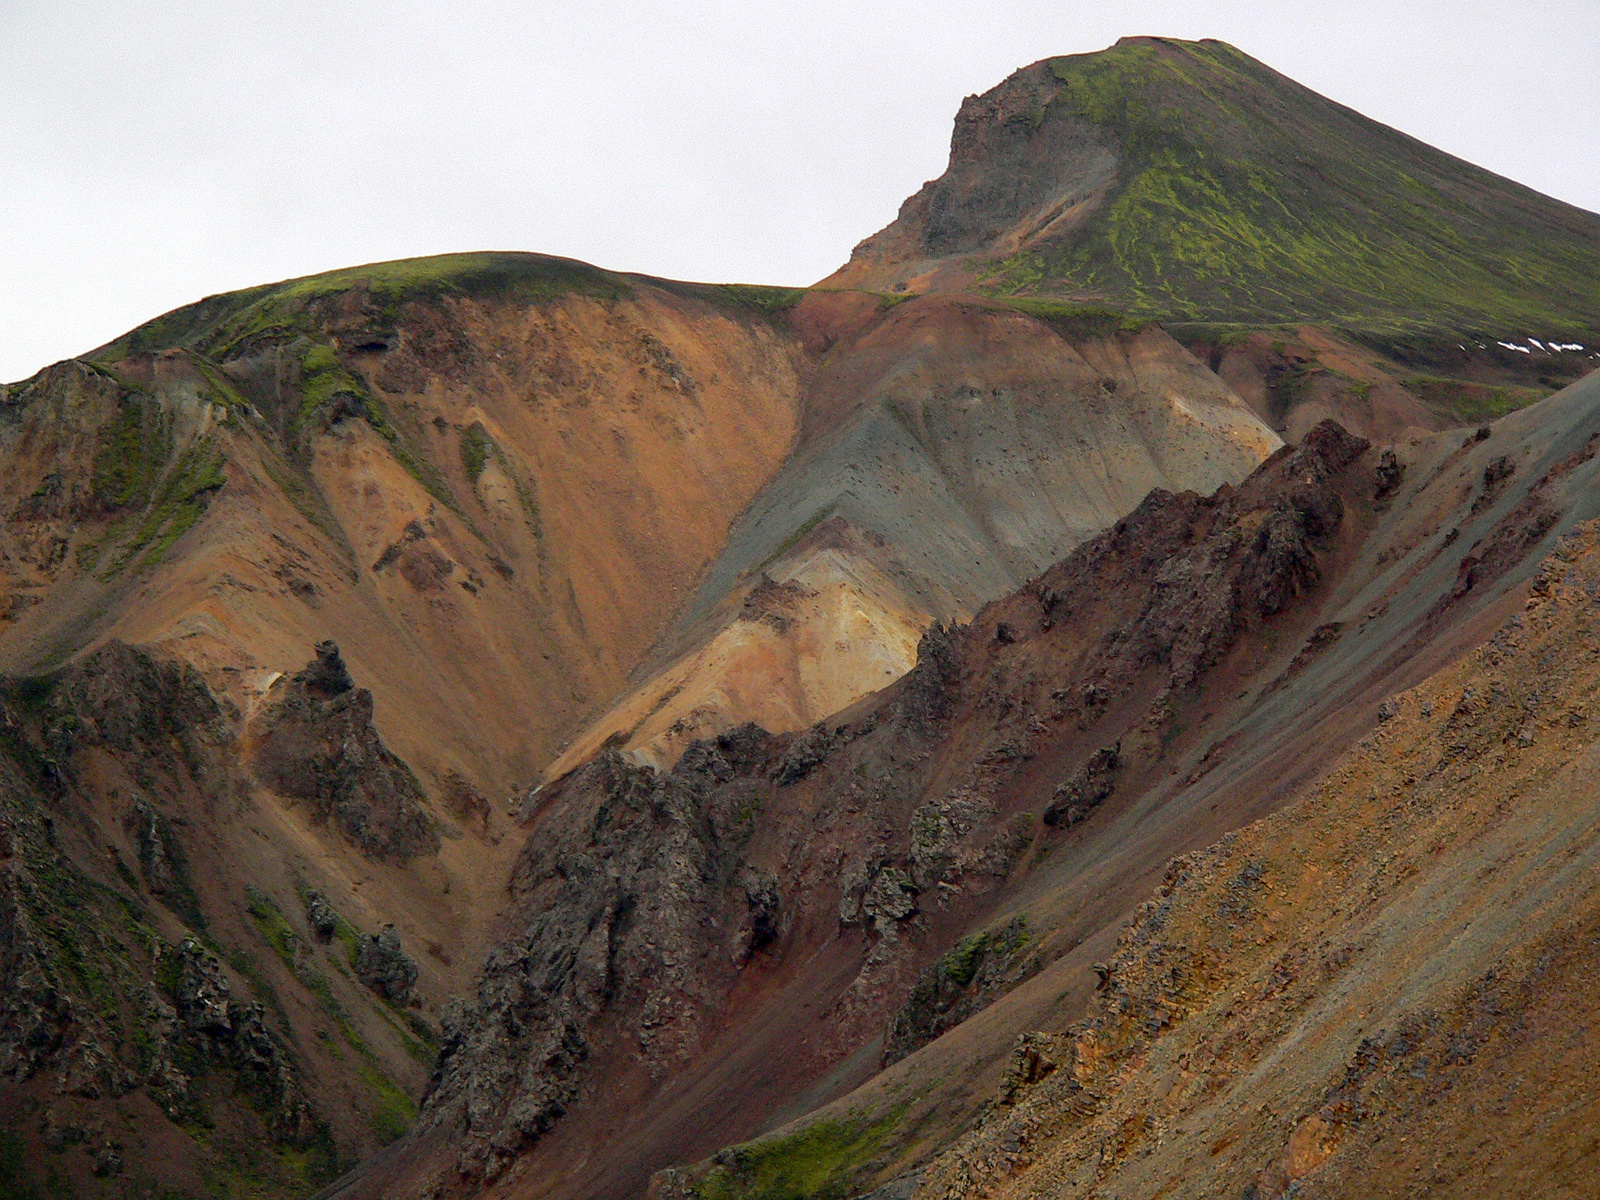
(392, 1112)
(237, 324)
(819, 1162)
(1474, 403)
(476, 446)
(184, 494)
(1084, 320)
(274, 928)
(770, 300)
(132, 453)
(329, 392)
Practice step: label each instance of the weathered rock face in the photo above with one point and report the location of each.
(642, 899)
(90, 994)
(122, 698)
(1090, 785)
(635, 913)
(384, 967)
(232, 1034)
(958, 984)
(317, 743)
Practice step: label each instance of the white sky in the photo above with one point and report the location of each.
(155, 152)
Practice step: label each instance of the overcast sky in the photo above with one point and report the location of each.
(152, 153)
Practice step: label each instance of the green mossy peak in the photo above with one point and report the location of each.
(1187, 182)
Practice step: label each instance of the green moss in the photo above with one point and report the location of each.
(1473, 403)
(1073, 318)
(184, 494)
(820, 1162)
(330, 391)
(391, 1112)
(476, 446)
(133, 451)
(770, 300)
(888, 300)
(274, 928)
(1241, 197)
(239, 323)
(305, 499)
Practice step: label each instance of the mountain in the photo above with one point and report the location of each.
(361, 551)
(1187, 182)
(1006, 719)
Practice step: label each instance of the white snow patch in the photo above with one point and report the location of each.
(1514, 346)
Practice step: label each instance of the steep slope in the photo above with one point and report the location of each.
(1457, 538)
(299, 585)
(1336, 999)
(486, 478)
(952, 450)
(1188, 182)
(785, 921)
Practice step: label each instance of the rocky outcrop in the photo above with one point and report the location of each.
(634, 910)
(963, 981)
(1090, 785)
(123, 698)
(227, 1033)
(641, 899)
(383, 966)
(317, 743)
(90, 993)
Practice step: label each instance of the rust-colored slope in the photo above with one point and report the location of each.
(1384, 989)
(1220, 649)
(950, 450)
(493, 502)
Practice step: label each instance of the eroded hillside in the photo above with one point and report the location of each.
(489, 725)
(485, 489)
(868, 914)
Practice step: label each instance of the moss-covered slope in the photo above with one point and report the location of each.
(1188, 182)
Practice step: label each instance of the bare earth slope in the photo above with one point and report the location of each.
(952, 451)
(970, 842)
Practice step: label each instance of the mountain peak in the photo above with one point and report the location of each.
(1188, 182)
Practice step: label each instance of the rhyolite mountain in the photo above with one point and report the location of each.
(487, 724)
(1187, 182)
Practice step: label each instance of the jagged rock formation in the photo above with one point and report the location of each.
(316, 742)
(132, 980)
(634, 893)
(385, 967)
(1335, 941)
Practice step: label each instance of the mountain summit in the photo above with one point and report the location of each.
(1187, 182)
